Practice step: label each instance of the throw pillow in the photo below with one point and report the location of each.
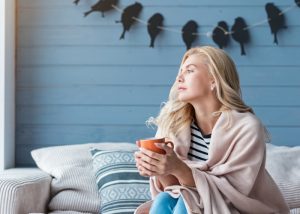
(73, 187)
(122, 189)
(283, 164)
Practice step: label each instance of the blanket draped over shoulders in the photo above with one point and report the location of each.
(234, 178)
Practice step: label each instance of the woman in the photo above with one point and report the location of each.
(218, 162)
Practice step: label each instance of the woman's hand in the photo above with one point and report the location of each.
(153, 164)
(168, 168)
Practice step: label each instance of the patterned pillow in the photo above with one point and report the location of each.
(120, 185)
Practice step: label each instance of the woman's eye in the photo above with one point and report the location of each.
(190, 71)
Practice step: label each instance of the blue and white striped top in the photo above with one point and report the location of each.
(199, 144)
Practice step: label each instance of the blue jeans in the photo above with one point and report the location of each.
(166, 204)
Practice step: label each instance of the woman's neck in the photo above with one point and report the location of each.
(206, 124)
(205, 117)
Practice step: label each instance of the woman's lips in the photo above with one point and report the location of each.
(181, 88)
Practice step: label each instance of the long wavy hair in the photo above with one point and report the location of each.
(175, 115)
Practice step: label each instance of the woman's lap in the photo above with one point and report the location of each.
(164, 203)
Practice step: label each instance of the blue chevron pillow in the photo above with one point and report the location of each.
(120, 185)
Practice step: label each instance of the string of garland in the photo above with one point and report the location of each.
(220, 34)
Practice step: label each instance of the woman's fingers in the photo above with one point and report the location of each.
(146, 165)
(165, 146)
(150, 163)
(142, 171)
(152, 155)
(138, 143)
(146, 172)
(147, 157)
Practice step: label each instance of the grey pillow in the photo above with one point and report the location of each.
(73, 187)
(122, 189)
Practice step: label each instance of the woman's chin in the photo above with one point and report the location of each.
(183, 99)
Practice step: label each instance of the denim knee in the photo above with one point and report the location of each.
(180, 207)
(163, 204)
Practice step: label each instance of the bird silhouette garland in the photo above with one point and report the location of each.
(189, 32)
(276, 20)
(154, 26)
(128, 15)
(220, 34)
(102, 6)
(240, 33)
(76, 2)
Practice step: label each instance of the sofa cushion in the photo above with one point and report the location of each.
(283, 164)
(73, 186)
(120, 185)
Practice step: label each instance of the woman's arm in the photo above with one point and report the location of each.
(184, 175)
(167, 180)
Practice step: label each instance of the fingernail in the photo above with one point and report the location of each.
(160, 145)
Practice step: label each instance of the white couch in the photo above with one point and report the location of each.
(35, 190)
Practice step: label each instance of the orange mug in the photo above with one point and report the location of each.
(150, 144)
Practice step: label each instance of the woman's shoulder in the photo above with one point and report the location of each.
(245, 116)
(245, 119)
(248, 124)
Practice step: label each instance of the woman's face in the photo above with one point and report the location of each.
(194, 80)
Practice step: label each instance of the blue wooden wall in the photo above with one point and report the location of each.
(77, 82)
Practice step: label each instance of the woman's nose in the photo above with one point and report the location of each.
(179, 78)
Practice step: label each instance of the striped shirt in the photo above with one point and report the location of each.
(199, 144)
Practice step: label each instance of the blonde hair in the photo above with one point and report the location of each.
(175, 115)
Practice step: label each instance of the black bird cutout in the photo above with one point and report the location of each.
(102, 6)
(220, 34)
(128, 15)
(276, 20)
(189, 33)
(76, 2)
(154, 23)
(297, 2)
(240, 33)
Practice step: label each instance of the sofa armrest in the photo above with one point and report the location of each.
(24, 190)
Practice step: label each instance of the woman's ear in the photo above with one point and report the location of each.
(212, 84)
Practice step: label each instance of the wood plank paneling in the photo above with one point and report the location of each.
(131, 115)
(149, 3)
(109, 36)
(72, 15)
(135, 95)
(40, 135)
(59, 76)
(87, 115)
(143, 55)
